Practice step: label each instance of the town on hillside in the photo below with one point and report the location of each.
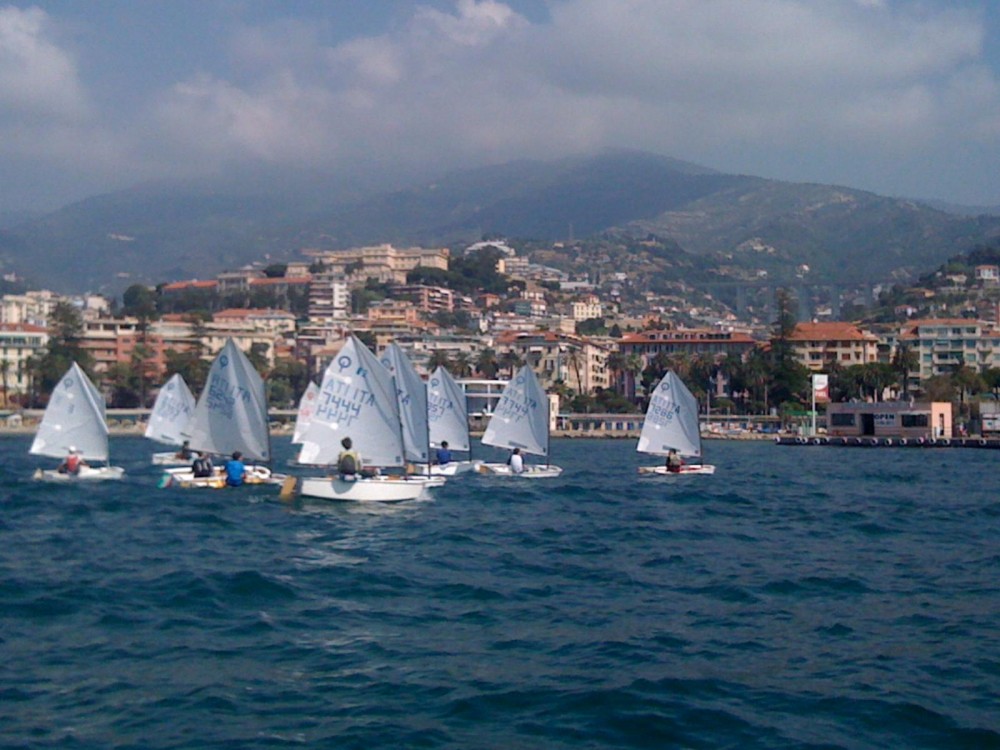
(600, 342)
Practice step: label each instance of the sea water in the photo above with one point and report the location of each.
(800, 597)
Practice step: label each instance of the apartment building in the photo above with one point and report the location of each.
(818, 345)
(943, 345)
(384, 263)
(555, 357)
(19, 343)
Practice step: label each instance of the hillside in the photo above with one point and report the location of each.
(740, 224)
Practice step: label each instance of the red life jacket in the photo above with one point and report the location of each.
(73, 463)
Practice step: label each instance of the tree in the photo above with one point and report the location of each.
(287, 380)
(190, 366)
(487, 363)
(439, 358)
(66, 333)
(905, 361)
(140, 301)
(510, 360)
(789, 377)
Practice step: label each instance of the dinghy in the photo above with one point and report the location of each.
(521, 420)
(230, 416)
(672, 424)
(358, 399)
(74, 421)
(449, 421)
(170, 416)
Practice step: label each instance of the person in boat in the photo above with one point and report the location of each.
(184, 452)
(202, 466)
(443, 455)
(516, 461)
(72, 463)
(236, 470)
(674, 461)
(349, 462)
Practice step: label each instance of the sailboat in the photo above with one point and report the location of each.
(170, 415)
(672, 424)
(411, 395)
(230, 416)
(449, 421)
(358, 399)
(74, 421)
(521, 420)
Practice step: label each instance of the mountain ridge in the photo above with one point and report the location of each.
(155, 233)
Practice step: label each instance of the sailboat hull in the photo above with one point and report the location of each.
(685, 470)
(185, 478)
(530, 471)
(451, 469)
(86, 474)
(169, 458)
(368, 490)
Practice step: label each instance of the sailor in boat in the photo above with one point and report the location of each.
(184, 452)
(73, 462)
(674, 461)
(236, 470)
(516, 462)
(443, 455)
(349, 463)
(202, 466)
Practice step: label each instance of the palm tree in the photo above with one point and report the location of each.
(487, 364)
(438, 359)
(905, 361)
(4, 369)
(616, 365)
(574, 357)
(510, 360)
(460, 366)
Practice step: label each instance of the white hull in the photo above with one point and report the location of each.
(686, 470)
(368, 490)
(531, 471)
(86, 474)
(451, 469)
(169, 458)
(185, 478)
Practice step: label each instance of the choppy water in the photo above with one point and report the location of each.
(801, 597)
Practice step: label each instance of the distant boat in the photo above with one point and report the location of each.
(230, 416)
(672, 424)
(358, 399)
(521, 420)
(449, 421)
(171, 413)
(74, 421)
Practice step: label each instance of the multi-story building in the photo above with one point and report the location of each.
(31, 308)
(818, 345)
(19, 343)
(944, 345)
(686, 342)
(427, 299)
(384, 263)
(587, 308)
(577, 362)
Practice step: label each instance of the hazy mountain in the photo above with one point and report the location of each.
(162, 232)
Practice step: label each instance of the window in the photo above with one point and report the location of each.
(915, 420)
(841, 420)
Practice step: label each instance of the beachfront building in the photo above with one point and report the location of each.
(19, 344)
(819, 345)
(890, 419)
(577, 362)
(943, 345)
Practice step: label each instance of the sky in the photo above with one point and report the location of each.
(900, 97)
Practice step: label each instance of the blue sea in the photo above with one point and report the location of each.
(800, 597)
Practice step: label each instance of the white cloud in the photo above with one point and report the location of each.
(797, 89)
(36, 76)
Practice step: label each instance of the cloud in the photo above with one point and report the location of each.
(37, 78)
(856, 91)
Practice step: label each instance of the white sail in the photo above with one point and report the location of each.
(447, 412)
(411, 393)
(357, 399)
(671, 420)
(231, 413)
(171, 412)
(521, 417)
(74, 418)
(307, 405)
